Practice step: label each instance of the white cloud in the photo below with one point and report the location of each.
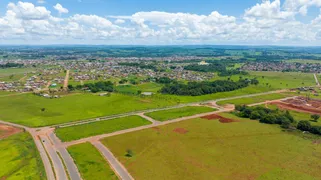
(60, 9)
(269, 22)
(119, 21)
(41, 1)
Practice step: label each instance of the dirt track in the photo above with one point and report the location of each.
(8, 131)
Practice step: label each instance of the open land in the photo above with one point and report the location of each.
(20, 158)
(211, 149)
(179, 112)
(102, 127)
(90, 162)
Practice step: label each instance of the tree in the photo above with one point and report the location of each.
(286, 124)
(43, 109)
(304, 125)
(315, 117)
(129, 153)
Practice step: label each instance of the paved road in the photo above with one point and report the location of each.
(148, 118)
(55, 159)
(70, 165)
(42, 151)
(119, 169)
(98, 137)
(316, 80)
(160, 109)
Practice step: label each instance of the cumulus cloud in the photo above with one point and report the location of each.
(268, 22)
(60, 9)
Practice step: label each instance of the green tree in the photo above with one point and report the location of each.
(315, 117)
(304, 125)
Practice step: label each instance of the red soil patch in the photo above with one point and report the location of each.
(8, 131)
(180, 130)
(299, 108)
(220, 118)
(156, 129)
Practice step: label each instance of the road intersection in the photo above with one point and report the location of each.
(60, 165)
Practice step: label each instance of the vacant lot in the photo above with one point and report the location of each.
(26, 109)
(209, 149)
(20, 158)
(91, 163)
(256, 99)
(179, 112)
(102, 127)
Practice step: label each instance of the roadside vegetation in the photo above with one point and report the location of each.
(91, 164)
(266, 150)
(101, 127)
(256, 99)
(283, 118)
(20, 158)
(178, 112)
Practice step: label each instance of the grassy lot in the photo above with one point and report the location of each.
(101, 127)
(252, 100)
(9, 71)
(178, 113)
(26, 109)
(91, 163)
(213, 150)
(20, 158)
(304, 61)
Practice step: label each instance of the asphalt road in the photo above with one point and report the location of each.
(119, 169)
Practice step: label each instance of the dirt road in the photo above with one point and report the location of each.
(316, 80)
(66, 80)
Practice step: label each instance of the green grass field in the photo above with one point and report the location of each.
(20, 158)
(178, 112)
(9, 71)
(101, 127)
(26, 109)
(91, 163)
(214, 150)
(256, 99)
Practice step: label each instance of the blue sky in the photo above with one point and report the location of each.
(250, 22)
(128, 7)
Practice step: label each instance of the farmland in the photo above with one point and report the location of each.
(97, 128)
(20, 158)
(225, 148)
(179, 112)
(91, 164)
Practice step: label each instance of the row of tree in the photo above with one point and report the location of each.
(205, 87)
(10, 65)
(106, 86)
(283, 118)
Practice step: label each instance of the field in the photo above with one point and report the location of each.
(26, 109)
(209, 149)
(252, 100)
(178, 113)
(91, 163)
(101, 127)
(20, 158)
(9, 71)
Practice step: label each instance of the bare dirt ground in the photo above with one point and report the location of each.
(300, 104)
(8, 131)
(220, 118)
(180, 130)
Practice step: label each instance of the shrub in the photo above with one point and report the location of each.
(304, 125)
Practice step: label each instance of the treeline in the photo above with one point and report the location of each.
(283, 118)
(140, 65)
(106, 86)
(10, 65)
(220, 68)
(202, 88)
